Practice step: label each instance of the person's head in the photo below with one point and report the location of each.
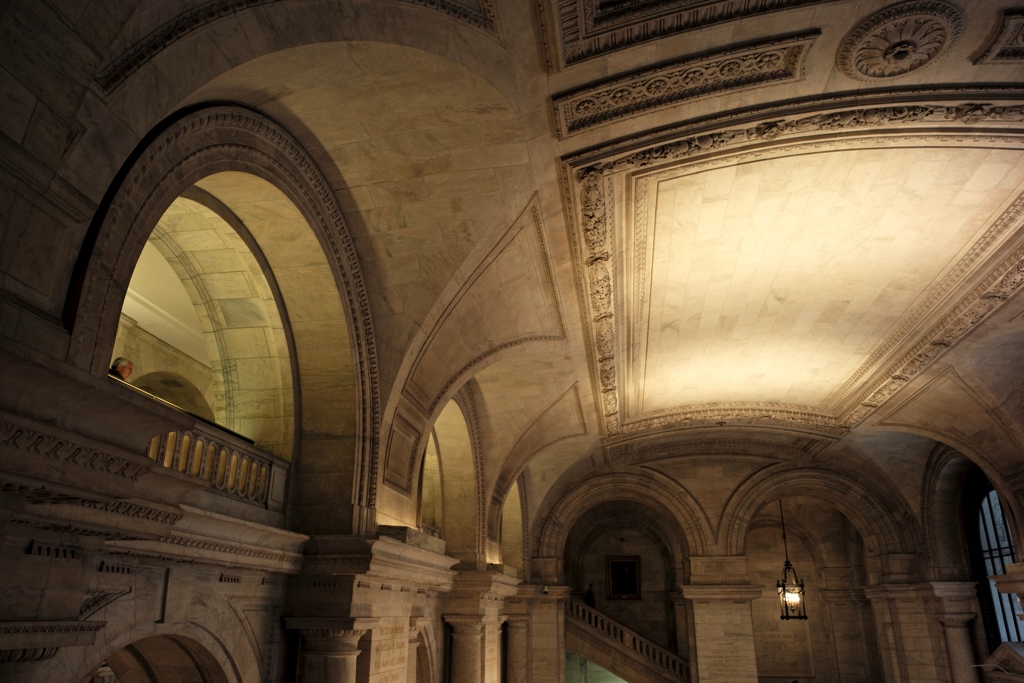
(123, 368)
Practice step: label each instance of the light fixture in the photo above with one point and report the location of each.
(791, 588)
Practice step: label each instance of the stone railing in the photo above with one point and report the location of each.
(225, 462)
(656, 655)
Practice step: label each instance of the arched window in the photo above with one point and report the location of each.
(991, 550)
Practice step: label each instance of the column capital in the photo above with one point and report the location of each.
(956, 620)
(465, 623)
(331, 634)
(957, 596)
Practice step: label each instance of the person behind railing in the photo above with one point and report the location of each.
(122, 369)
(589, 598)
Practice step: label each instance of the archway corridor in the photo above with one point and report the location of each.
(381, 341)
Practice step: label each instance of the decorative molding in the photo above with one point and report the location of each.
(685, 79)
(899, 39)
(48, 445)
(28, 654)
(484, 18)
(590, 28)
(835, 121)
(760, 414)
(984, 300)
(8, 628)
(129, 509)
(118, 69)
(635, 451)
(1008, 43)
(97, 599)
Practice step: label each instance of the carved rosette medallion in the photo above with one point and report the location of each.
(899, 40)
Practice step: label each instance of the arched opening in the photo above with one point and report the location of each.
(160, 659)
(460, 525)
(990, 549)
(431, 496)
(203, 303)
(512, 530)
(620, 547)
(827, 552)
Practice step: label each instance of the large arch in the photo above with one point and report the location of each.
(216, 139)
(679, 509)
(881, 516)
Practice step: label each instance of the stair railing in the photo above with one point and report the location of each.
(657, 655)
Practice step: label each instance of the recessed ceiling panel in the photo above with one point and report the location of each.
(774, 280)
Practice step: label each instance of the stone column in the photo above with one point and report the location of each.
(467, 637)
(723, 632)
(959, 608)
(517, 649)
(330, 647)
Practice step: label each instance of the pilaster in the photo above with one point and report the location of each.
(911, 644)
(723, 632)
(957, 609)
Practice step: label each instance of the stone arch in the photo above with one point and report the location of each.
(188, 661)
(221, 647)
(656, 492)
(883, 519)
(940, 513)
(458, 456)
(191, 146)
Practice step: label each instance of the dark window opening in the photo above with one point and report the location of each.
(991, 550)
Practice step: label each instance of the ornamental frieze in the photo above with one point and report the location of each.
(684, 79)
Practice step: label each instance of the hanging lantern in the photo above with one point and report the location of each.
(791, 588)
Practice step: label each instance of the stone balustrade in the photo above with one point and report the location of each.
(669, 662)
(225, 462)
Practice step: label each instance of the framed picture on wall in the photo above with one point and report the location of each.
(623, 575)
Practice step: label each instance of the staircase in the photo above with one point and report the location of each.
(620, 649)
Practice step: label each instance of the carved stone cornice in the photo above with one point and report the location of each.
(35, 441)
(589, 28)
(899, 39)
(217, 552)
(754, 414)
(1007, 46)
(27, 636)
(684, 79)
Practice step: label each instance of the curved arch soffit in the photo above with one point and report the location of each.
(986, 465)
(879, 516)
(231, 663)
(655, 492)
(939, 490)
(186, 148)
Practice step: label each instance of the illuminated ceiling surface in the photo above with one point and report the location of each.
(775, 280)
